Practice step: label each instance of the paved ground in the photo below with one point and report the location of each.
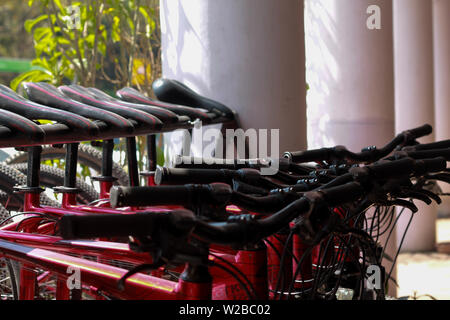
(426, 273)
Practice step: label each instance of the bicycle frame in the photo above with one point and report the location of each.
(252, 263)
(101, 277)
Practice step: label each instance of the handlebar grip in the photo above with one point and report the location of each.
(427, 154)
(395, 168)
(308, 155)
(190, 194)
(430, 165)
(429, 146)
(171, 176)
(146, 196)
(74, 226)
(418, 132)
(350, 191)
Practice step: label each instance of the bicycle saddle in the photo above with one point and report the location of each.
(51, 96)
(173, 91)
(132, 95)
(146, 122)
(11, 101)
(166, 116)
(20, 127)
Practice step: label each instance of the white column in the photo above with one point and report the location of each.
(414, 102)
(441, 40)
(247, 54)
(350, 74)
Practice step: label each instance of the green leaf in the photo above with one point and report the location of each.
(115, 32)
(90, 39)
(43, 63)
(30, 76)
(29, 24)
(41, 32)
(60, 7)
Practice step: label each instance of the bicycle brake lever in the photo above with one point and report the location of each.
(431, 195)
(415, 195)
(400, 203)
(444, 177)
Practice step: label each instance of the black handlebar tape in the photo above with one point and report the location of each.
(169, 176)
(74, 226)
(427, 154)
(430, 165)
(420, 131)
(146, 196)
(348, 192)
(390, 169)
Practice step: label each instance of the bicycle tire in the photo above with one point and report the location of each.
(10, 177)
(53, 177)
(8, 287)
(87, 155)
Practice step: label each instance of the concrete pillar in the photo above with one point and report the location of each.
(414, 102)
(441, 40)
(350, 74)
(248, 55)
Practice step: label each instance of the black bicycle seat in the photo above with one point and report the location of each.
(166, 116)
(11, 101)
(145, 122)
(132, 95)
(51, 96)
(173, 91)
(21, 128)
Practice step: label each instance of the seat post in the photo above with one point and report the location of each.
(70, 175)
(106, 178)
(133, 171)
(107, 158)
(32, 189)
(69, 190)
(33, 166)
(151, 152)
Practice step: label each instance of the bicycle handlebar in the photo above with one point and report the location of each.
(239, 230)
(423, 154)
(341, 153)
(428, 146)
(222, 194)
(418, 132)
(168, 195)
(74, 226)
(165, 175)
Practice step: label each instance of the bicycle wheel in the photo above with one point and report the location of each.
(53, 177)
(87, 155)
